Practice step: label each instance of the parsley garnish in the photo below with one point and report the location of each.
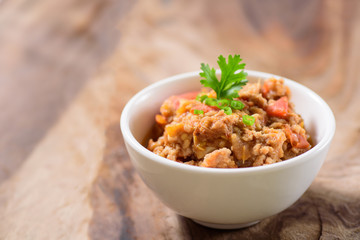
(231, 79)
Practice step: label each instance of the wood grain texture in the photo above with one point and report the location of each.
(49, 49)
(75, 180)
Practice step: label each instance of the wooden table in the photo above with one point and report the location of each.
(68, 67)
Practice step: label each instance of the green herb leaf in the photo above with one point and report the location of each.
(223, 103)
(227, 110)
(201, 98)
(237, 105)
(210, 101)
(197, 111)
(248, 120)
(232, 79)
(210, 79)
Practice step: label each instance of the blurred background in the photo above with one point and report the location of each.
(52, 52)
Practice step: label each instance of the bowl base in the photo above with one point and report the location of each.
(225, 226)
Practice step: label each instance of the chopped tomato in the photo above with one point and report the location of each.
(203, 107)
(189, 95)
(279, 108)
(296, 140)
(303, 143)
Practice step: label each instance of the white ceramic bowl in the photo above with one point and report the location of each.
(225, 198)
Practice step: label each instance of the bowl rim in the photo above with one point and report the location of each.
(130, 139)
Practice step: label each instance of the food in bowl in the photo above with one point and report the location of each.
(230, 197)
(233, 125)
